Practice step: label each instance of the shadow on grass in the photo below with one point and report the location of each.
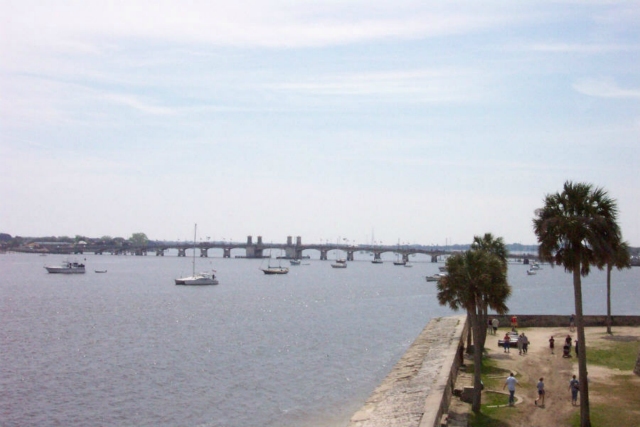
(486, 420)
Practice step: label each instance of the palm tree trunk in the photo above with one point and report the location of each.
(477, 363)
(609, 267)
(585, 419)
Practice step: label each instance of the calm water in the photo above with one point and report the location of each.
(129, 348)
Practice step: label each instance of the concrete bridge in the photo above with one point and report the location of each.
(259, 249)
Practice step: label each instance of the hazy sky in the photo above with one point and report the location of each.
(419, 121)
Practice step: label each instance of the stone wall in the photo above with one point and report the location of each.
(551, 321)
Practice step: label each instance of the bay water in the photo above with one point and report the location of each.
(130, 348)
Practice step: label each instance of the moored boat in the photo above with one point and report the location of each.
(198, 279)
(435, 277)
(340, 263)
(275, 270)
(67, 267)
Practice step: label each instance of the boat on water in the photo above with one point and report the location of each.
(340, 263)
(100, 271)
(435, 277)
(275, 270)
(67, 267)
(199, 279)
(408, 264)
(443, 269)
(531, 272)
(377, 261)
(294, 262)
(399, 262)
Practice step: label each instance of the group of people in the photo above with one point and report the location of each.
(523, 344)
(510, 383)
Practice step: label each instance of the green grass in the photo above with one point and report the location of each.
(616, 355)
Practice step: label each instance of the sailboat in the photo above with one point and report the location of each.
(274, 269)
(200, 278)
(340, 263)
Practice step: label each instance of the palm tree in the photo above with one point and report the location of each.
(576, 229)
(497, 247)
(619, 259)
(491, 244)
(475, 280)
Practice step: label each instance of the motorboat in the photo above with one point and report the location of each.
(443, 269)
(531, 272)
(340, 263)
(294, 261)
(436, 277)
(376, 261)
(100, 271)
(67, 267)
(199, 279)
(399, 263)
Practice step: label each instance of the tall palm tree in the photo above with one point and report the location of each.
(475, 279)
(492, 245)
(619, 258)
(578, 228)
(497, 247)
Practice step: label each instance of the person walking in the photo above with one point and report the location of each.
(525, 343)
(506, 341)
(572, 323)
(495, 322)
(574, 386)
(551, 343)
(510, 383)
(514, 323)
(520, 343)
(540, 387)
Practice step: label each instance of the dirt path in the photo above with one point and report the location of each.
(556, 371)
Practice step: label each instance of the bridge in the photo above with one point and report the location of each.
(259, 249)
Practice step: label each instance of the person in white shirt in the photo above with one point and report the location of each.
(510, 383)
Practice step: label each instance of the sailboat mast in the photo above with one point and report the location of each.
(193, 262)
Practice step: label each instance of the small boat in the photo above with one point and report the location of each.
(199, 279)
(294, 261)
(377, 261)
(275, 270)
(442, 269)
(408, 264)
(435, 277)
(271, 269)
(67, 267)
(100, 271)
(399, 263)
(340, 263)
(531, 272)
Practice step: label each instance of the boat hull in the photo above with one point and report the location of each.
(277, 270)
(66, 268)
(196, 281)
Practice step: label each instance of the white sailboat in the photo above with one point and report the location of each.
(200, 278)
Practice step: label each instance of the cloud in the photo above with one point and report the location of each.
(586, 48)
(604, 88)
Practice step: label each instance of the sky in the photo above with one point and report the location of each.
(398, 121)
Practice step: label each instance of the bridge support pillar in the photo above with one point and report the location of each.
(323, 254)
(159, 252)
(405, 257)
(349, 255)
(204, 253)
(376, 255)
(182, 252)
(227, 253)
(434, 258)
